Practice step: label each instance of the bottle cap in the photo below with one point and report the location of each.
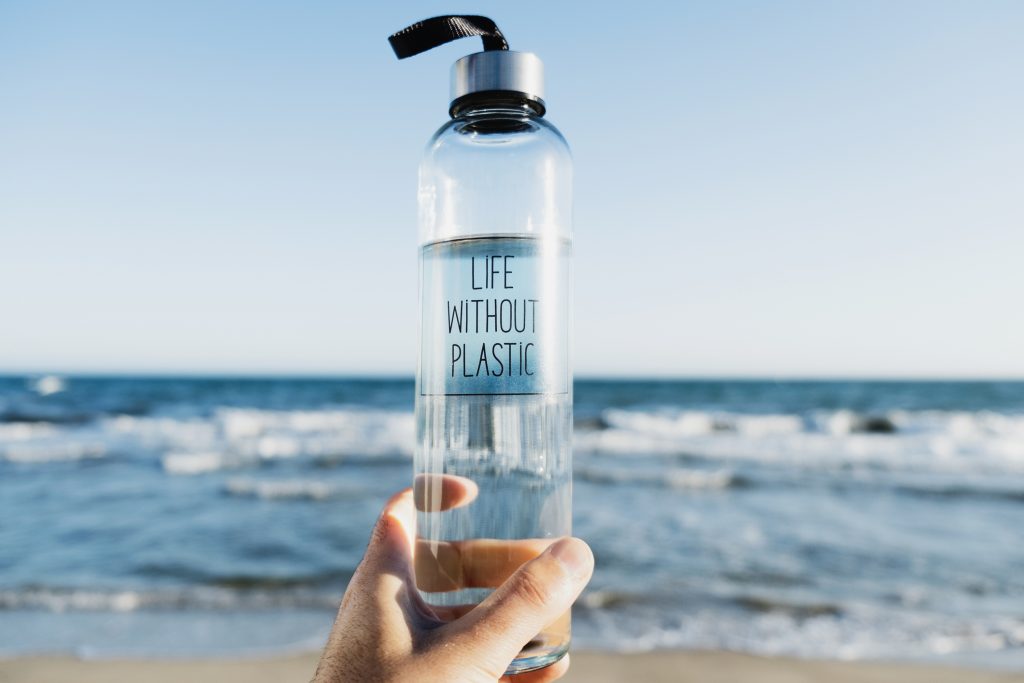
(499, 71)
(496, 74)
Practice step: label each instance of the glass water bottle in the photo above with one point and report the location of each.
(493, 460)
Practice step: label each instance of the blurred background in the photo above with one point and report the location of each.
(798, 346)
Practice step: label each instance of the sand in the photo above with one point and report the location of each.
(706, 667)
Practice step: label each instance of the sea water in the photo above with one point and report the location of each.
(224, 516)
(493, 421)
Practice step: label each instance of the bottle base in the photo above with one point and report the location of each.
(536, 656)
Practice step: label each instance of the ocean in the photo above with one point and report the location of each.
(203, 516)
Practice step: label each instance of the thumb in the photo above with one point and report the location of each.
(536, 595)
(369, 611)
(388, 557)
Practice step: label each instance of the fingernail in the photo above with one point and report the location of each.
(574, 554)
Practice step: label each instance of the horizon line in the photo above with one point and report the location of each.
(586, 377)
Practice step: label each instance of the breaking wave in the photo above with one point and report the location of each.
(191, 598)
(803, 630)
(234, 438)
(681, 479)
(927, 440)
(286, 489)
(230, 438)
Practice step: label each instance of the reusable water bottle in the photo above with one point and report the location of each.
(493, 476)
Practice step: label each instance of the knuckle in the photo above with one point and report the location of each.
(532, 588)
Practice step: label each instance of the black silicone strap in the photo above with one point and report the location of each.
(429, 33)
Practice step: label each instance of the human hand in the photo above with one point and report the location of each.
(385, 632)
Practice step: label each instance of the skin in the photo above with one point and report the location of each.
(384, 632)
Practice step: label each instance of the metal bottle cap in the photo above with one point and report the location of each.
(499, 70)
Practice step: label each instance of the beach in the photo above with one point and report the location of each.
(590, 667)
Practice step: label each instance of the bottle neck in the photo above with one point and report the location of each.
(496, 103)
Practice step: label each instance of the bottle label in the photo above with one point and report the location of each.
(495, 317)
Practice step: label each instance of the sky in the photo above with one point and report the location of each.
(785, 189)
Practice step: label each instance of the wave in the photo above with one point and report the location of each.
(797, 610)
(294, 489)
(52, 451)
(606, 618)
(196, 463)
(35, 442)
(47, 385)
(251, 597)
(680, 479)
(41, 415)
(978, 492)
(330, 461)
(811, 631)
(723, 479)
(674, 422)
(248, 437)
(946, 441)
(685, 423)
(229, 438)
(605, 599)
(235, 438)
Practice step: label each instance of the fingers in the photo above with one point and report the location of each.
(548, 673)
(537, 595)
(480, 563)
(438, 492)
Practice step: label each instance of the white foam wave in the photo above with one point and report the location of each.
(61, 600)
(699, 423)
(51, 450)
(862, 633)
(25, 431)
(231, 437)
(194, 463)
(677, 478)
(928, 440)
(289, 489)
(957, 441)
(237, 437)
(36, 442)
(47, 385)
(612, 621)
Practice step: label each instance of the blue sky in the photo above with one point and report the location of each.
(769, 189)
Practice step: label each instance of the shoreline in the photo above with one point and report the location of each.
(595, 667)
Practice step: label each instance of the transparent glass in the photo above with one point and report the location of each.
(493, 460)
